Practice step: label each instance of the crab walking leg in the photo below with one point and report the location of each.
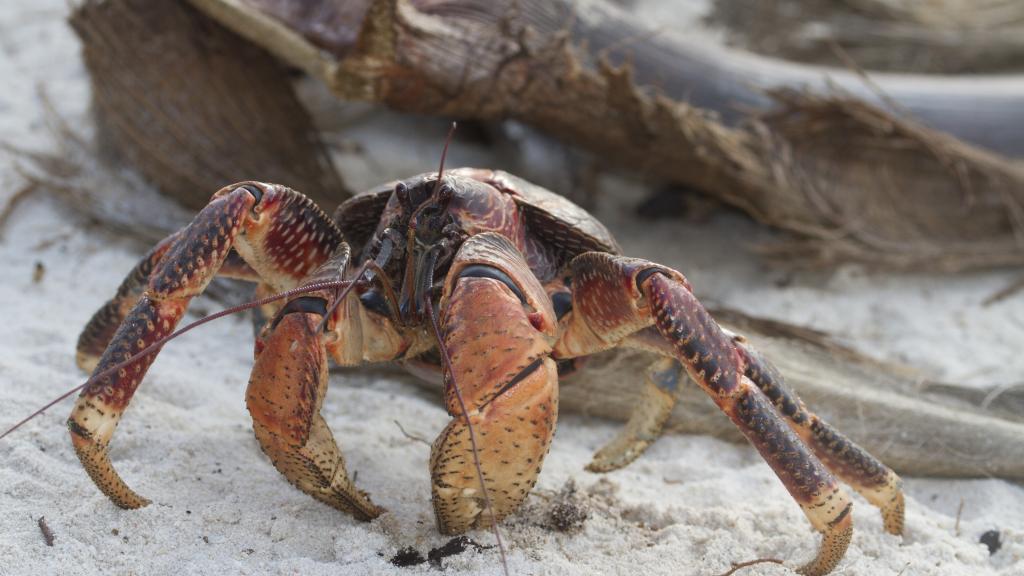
(498, 326)
(875, 481)
(100, 329)
(657, 399)
(614, 297)
(716, 365)
(252, 211)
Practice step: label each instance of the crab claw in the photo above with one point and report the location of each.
(498, 326)
(284, 397)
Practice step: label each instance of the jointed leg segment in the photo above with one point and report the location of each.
(615, 296)
(500, 346)
(874, 481)
(254, 218)
(285, 394)
(658, 397)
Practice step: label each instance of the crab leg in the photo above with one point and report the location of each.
(498, 326)
(98, 333)
(615, 296)
(874, 481)
(100, 329)
(255, 218)
(658, 397)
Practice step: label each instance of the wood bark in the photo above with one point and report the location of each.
(851, 180)
(193, 106)
(946, 37)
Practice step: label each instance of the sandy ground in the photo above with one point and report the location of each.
(691, 505)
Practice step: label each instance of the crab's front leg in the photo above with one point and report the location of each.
(289, 381)
(498, 326)
(277, 231)
(614, 297)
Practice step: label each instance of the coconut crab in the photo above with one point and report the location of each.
(488, 280)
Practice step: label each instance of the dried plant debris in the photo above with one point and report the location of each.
(193, 106)
(948, 37)
(737, 566)
(406, 557)
(992, 540)
(849, 179)
(409, 556)
(568, 510)
(114, 199)
(45, 529)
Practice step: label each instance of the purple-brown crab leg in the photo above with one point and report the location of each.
(100, 329)
(281, 234)
(875, 481)
(498, 326)
(616, 296)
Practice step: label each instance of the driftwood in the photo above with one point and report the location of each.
(193, 106)
(945, 37)
(854, 182)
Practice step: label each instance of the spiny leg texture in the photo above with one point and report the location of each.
(100, 329)
(253, 216)
(498, 326)
(715, 364)
(876, 482)
(615, 296)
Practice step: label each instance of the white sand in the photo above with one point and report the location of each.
(692, 505)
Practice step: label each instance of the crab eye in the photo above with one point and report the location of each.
(402, 191)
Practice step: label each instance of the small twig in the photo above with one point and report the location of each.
(410, 436)
(852, 65)
(959, 511)
(1004, 293)
(14, 200)
(740, 565)
(998, 391)
(905, 566)
(45, 529)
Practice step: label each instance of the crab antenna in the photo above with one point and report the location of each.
(341, 297)
(472, 433)
(155, 346)
(444, 154)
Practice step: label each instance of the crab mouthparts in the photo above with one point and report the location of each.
(417, 285)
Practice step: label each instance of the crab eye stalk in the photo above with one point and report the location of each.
(445, 193)
(402, 192)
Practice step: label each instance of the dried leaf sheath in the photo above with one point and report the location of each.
(933, 201)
